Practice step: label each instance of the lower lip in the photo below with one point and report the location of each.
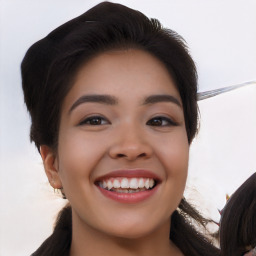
(135, 197)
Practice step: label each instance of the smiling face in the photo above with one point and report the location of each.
(122, 150)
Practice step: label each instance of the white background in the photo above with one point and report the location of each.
(222, 38)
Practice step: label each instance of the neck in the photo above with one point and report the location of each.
(87, 241)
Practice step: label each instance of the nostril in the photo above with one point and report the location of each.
(131, 156)
(121, 155)
(130, 151)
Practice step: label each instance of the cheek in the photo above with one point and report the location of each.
(77, 155)
(174, 153)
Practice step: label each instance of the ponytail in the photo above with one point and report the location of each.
(185, 235)
(58, 244)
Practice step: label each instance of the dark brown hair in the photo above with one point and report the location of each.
(50, 64)
(238, 222)
(48, 70)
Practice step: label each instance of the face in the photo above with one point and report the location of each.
(123, 150)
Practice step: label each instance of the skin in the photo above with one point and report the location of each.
(126, 135)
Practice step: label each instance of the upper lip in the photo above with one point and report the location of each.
(130, 173)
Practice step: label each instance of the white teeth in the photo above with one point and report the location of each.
(147, 184)
(151, 183)
(124, 183)
(141, 183)
(127, 185)
(134, 183)
(116, 184)
(109, 184)
(129, 190)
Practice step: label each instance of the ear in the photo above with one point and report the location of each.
(51, 166)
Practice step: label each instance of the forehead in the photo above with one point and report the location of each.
(127, 74)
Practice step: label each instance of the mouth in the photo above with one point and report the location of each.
(128, 186)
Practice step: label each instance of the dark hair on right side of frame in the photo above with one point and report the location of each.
(49, 68)
(238, 222)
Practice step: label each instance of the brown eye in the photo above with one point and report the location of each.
(94, 120)
(161, 121)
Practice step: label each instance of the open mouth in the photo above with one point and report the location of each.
(127, 185)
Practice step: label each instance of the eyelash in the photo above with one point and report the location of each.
(89, 120)
(160, 121)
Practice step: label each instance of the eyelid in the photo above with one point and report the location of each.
(91, 117)
(170, 121)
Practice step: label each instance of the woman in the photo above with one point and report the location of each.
(113, 102)
(238, 222)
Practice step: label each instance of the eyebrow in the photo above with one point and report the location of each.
(111, 100)
(104, 99)
(162, 98)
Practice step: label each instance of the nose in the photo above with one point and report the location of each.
(130, 144)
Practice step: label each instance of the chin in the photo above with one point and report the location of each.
(131, 234)
(137, 229)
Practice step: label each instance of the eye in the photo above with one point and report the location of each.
(161, 121)
(94, 120)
